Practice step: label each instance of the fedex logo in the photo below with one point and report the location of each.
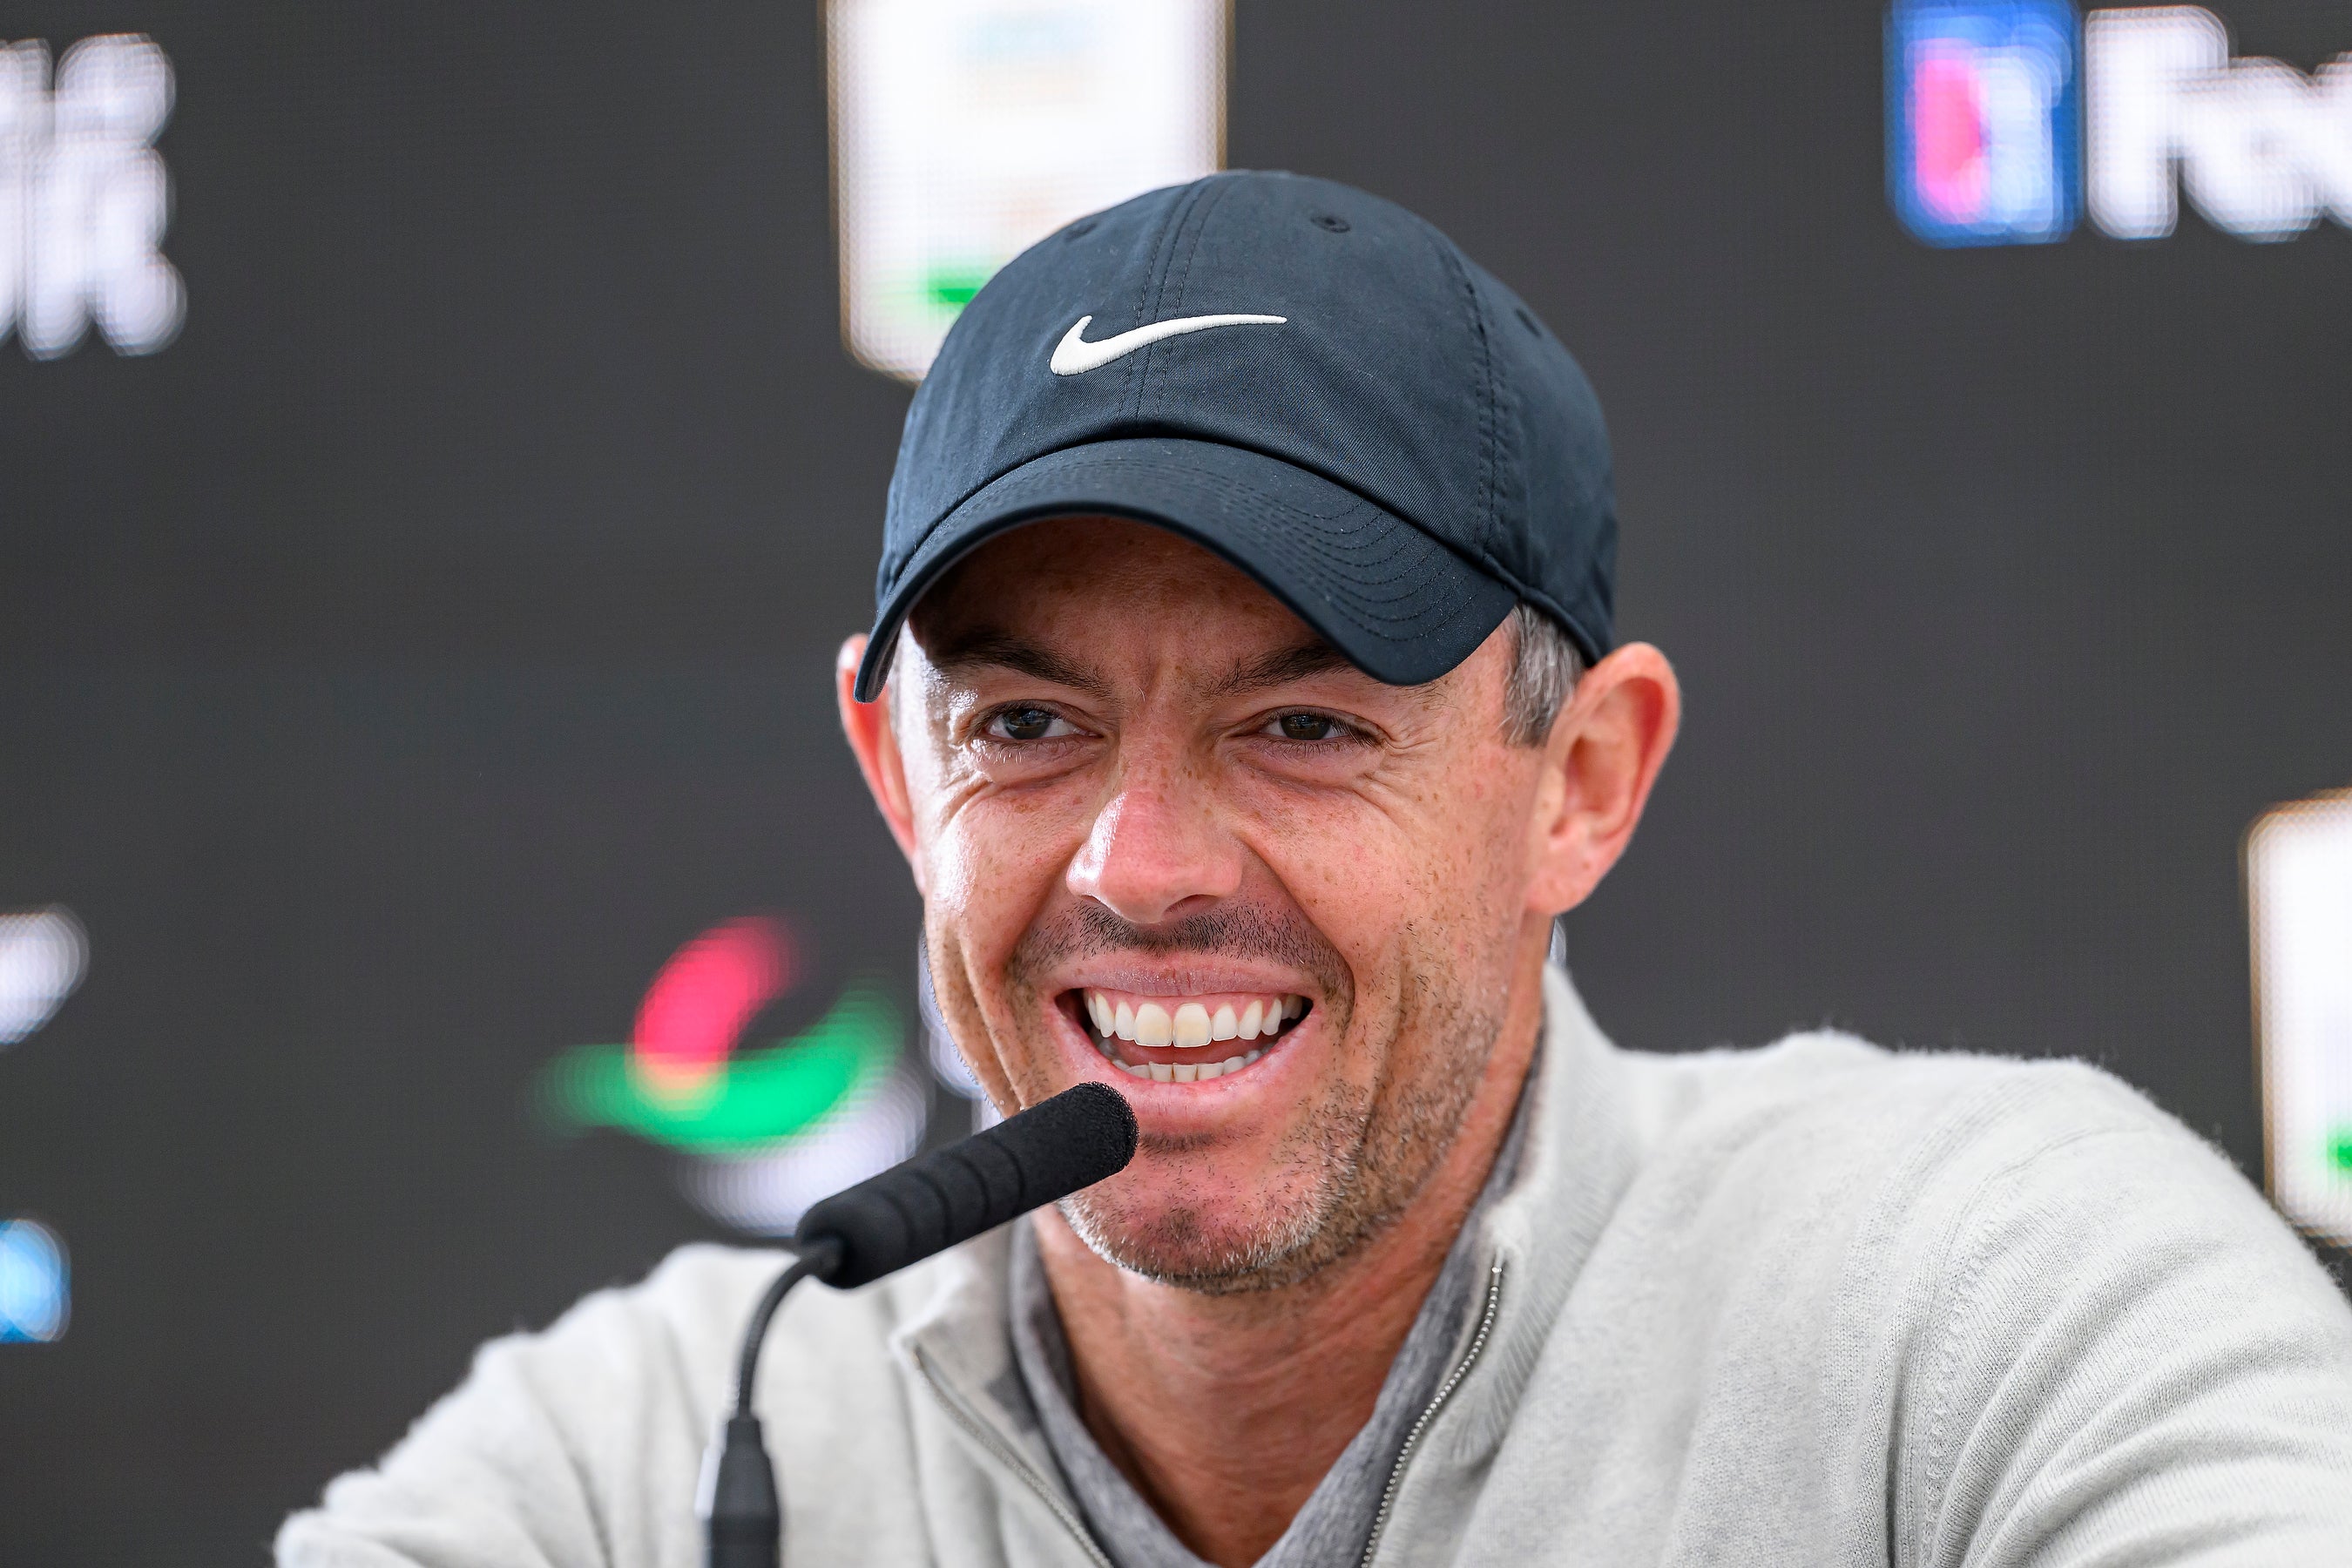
(2007, 119)
(2261, 149)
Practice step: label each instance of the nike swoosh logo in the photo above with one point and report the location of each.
(1075, 356)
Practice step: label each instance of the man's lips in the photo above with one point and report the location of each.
(1183, 1038)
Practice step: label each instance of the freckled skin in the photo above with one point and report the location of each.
(1078, 777)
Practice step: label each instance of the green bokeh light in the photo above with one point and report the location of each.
(758, 1097)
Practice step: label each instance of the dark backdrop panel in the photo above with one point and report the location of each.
(398, 666)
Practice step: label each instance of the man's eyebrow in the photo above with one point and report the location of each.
(1280, 667)
(989, 648)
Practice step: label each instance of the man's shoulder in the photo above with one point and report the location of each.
(580, 1442)
(702, 1293)
(1972, 1200)
(1837, 1099)
(1922, 1153)
(1932, 1167)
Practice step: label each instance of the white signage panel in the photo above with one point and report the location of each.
(2299, 893)
(965, 131)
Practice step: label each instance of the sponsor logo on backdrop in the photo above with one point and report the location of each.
(763, 1129)
(42, 955)
(1984, 125)
(2259, 148)
(2007, 121)
(33, 1298)
(84, 197)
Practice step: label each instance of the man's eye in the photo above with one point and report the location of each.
(1307, 726)
(1029, 724)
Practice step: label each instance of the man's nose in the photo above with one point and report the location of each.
(1156, 847)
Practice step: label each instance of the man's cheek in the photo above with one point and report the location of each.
(1023, 840)
(960, 1004)
(973, 880)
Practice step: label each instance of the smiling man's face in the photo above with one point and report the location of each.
(1169, 840)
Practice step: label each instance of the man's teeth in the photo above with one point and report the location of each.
(1187, 1072)
(1191, 1026)
(1186, 1026)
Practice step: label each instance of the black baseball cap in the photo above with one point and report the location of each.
(1307, 380)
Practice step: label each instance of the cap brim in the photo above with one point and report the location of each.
(1401, 607)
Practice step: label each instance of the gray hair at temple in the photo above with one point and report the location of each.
(1545, 668)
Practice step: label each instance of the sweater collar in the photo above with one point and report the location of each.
(1580, 1153)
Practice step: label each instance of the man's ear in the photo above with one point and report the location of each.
(874, 740)
(1603, 755)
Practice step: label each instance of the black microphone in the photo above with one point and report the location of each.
(905, 1215)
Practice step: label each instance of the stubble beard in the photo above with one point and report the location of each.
(1342, 1172)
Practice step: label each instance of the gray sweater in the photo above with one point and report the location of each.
(1812, 1304)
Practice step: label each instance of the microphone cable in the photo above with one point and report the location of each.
(907, 1214)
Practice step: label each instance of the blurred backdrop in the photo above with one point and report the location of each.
(433, 479)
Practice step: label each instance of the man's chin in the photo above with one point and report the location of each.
(1216, 1248)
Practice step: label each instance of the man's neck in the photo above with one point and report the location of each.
(1225, 1412)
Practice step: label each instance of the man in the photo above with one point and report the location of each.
(1243, 697)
